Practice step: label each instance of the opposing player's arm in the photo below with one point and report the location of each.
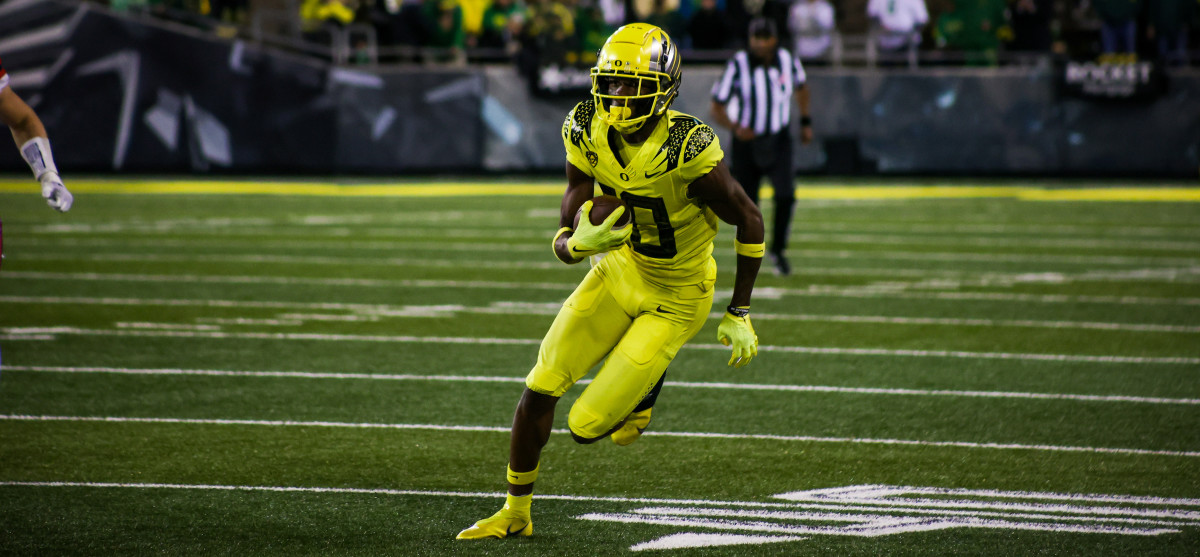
(721, 193)
(30, 136)
(21, 120)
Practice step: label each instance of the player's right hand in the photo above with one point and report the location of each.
(56, 194)
(590, 239)
(737, 331)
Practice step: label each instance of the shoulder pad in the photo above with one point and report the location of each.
(677, 136)
(579, 123)
(698, 142)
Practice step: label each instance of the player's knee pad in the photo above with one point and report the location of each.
(587, 425)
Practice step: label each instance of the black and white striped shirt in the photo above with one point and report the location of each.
(759, 96)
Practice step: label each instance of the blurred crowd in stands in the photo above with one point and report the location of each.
(569, 32)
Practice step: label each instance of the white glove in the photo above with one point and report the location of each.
(56, 193)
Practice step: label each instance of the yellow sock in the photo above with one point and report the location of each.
(519, 503)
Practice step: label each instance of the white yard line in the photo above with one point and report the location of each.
(959, 257)
(343, 244)
(339, 246)
(517, 232)
(536, 218)
(682, 434)
(672, 384)
(819, 291)
(1086, 358)
(550, 308)
(998, 229)
(961, 240)
(1188, 275)
(298, 260)
(232, 279)
(958, 322)
(874, 505)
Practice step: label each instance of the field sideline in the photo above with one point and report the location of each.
(302, 367)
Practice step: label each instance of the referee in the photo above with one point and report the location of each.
(753, 98)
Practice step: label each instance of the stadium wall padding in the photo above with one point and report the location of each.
(125, 95)
(129, 95)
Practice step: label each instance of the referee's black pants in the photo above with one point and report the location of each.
(749, 168)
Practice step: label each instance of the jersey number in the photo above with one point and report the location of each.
(662, 220)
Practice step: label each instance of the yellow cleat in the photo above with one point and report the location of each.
(634, 425)
(500, 525)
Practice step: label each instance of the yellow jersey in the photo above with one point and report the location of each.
(672, 233)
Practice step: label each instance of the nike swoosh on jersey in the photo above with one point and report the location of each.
(649, 175)
(661, 310)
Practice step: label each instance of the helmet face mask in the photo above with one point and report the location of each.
(627, 112)
(636, 76)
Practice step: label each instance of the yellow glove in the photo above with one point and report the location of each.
(591, 239)
(736, 330)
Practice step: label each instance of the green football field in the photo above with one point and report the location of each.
(318, 369)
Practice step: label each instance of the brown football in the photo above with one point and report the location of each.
(602, 207)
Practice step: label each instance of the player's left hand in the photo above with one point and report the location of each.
(738, 332)
(806, 135)
(56, 194)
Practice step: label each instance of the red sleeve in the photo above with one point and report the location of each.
(2, 72)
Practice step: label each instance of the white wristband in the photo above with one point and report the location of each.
(36, 152)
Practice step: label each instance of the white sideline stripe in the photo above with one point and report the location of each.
(343, 244)
(818, 291)
(673, 384)
(552, 308)
(1177, 360)
(683, 434)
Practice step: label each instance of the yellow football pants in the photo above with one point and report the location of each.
(639, 325)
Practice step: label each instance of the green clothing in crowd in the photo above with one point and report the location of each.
(974, 27)
(496, 18)
(445, 23)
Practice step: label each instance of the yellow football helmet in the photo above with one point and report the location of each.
(645, 55)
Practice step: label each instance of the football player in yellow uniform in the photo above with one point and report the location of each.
(653, 289)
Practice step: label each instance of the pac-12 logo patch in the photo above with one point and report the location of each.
(592, 158)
